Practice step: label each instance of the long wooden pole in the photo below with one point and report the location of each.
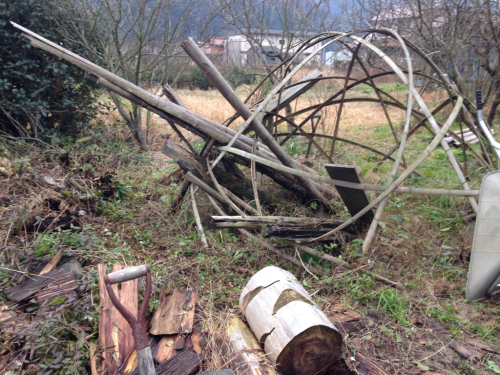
(211, 71)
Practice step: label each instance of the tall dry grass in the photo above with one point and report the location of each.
(359, 121)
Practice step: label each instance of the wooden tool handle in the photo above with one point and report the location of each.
(127, 274)
(145, 361)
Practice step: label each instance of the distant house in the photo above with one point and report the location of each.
(214, 48)
(250, 49)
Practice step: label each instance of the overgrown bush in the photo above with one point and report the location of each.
(38, 91)
(195, 78)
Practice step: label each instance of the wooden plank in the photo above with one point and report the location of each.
(30, 287)
(354, 199)
(183, 363)
(114, 331)
(175, 314)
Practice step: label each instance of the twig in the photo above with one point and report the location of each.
(196, 215)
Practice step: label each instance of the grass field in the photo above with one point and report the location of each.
(422, 241)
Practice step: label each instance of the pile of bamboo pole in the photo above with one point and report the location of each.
(215, 170)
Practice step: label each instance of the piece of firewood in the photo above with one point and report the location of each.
(115, 334)
(30, 287)
(298, 337)
(165, 348)
(175, 314)
(199, 340)
(52, 264)
(246, 353)
(184, 362)
(366, 366)
(483, 345)
(179, 342)
(466, 351)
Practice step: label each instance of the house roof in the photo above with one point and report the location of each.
(263, 33)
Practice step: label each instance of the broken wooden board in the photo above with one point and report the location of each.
(115, 333)
(32, 286)
(354, 199)
(61, 287)
(184, 362)
(175, 314)
(15, 324)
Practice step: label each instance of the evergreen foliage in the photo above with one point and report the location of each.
(38, 91)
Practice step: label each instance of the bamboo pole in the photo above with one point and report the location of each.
(426, 111)
(197, 219)
(369, 187)
(428, 150)
(342, 263)
(380, 209)
(206, 65)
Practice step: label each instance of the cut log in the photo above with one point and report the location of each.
(366, 366)
(175, 314)
(183, 363)
(32, 286)
(298, 338)
(281, 220)
(250, 359)
(115, 334)
(483, 345)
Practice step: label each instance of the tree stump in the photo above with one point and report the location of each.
(297, 336)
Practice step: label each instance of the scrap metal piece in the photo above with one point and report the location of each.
(484, 268)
